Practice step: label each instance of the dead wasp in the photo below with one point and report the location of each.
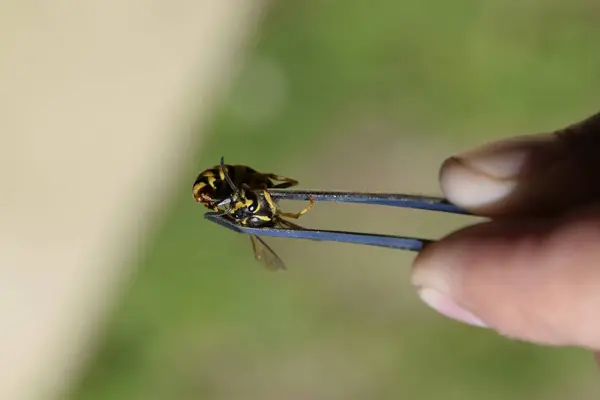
(254, 207)
(255, 212)
(211, 187)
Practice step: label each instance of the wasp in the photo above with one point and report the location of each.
(211, 186)
(249, 204)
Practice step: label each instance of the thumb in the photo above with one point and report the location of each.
(533, 279)
(541, 174)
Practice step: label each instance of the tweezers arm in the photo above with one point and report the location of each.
(384, 199)
(371, 239)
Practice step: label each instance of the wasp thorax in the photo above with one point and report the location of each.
(245, 206)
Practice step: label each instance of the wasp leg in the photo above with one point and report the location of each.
(209, 202)
(273, 207)
(270, 202)
(311, 203)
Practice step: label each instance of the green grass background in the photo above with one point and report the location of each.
(366, 96)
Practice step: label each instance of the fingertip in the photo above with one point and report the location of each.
(429, 269)
(471, 188)
(530, 279)
(541, 174)
(446, 306)
(436, 277)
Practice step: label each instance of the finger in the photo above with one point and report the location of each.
(538, 174)
(534, 279)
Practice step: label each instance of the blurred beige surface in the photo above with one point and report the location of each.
(91, 102)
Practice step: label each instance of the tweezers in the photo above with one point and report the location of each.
(372, 239)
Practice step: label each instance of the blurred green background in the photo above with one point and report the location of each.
(349, 94)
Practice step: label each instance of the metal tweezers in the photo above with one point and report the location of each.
(372, 239)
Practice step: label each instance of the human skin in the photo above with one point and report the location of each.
(533, 271)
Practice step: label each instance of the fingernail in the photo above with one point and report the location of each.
(501, 160)
(484, 176)
(447, 307)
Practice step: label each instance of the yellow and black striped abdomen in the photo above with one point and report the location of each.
(211, 187)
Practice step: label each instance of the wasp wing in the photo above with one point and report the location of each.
(284, 223)
(265, 255)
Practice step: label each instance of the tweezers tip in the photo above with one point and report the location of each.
(219, 220)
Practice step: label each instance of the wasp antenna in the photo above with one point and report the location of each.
(227, 178)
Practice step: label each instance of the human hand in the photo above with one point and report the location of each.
(532, 272)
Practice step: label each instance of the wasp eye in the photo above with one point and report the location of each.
(252, 207)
